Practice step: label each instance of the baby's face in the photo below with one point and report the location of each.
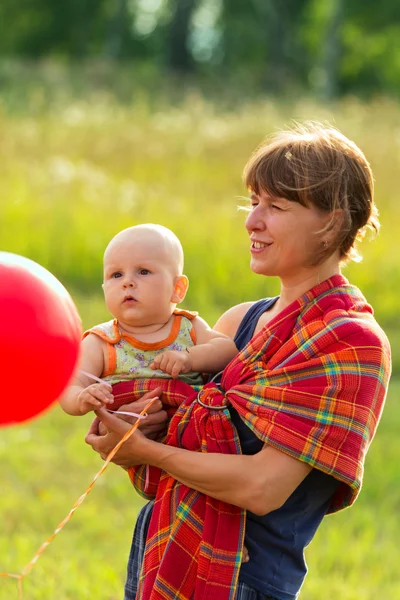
(139, 279)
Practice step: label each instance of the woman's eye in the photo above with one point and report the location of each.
(144, 272)
(276, 206)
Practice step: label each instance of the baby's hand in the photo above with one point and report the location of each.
(94, 396)
(245, 555)
(173, 362)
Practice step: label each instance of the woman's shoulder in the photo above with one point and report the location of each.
(229, 322)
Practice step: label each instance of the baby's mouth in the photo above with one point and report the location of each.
(129, 299)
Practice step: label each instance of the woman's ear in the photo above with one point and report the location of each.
(181, 285)
(333, 227)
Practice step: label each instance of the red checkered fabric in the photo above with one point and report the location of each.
(312, 383)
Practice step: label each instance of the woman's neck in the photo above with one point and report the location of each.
(293, 288)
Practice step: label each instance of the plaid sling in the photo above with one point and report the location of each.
(312, 383)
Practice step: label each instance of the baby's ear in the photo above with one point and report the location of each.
(181, 285)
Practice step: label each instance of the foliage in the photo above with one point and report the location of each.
(330, 47)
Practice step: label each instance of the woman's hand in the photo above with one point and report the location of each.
(153, 428)
(156, 422)
(128, 455)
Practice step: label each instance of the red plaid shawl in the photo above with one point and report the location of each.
(312, 383)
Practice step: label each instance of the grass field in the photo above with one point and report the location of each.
(75, 173)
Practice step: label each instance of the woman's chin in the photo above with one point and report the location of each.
(261, 269)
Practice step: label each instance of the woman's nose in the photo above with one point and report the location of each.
(254, 221)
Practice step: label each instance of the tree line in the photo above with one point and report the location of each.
(331, 47)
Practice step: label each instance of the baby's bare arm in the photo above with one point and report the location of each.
(83, 395)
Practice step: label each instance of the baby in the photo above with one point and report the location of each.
(149, 336)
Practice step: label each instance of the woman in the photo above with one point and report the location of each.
(261, 459)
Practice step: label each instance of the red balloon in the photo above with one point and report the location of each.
(40, 335)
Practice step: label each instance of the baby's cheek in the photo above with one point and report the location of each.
(102, 429)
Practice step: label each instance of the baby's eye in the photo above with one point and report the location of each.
(144, 272)
(116, 275)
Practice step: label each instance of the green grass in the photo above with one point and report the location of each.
(45, 466)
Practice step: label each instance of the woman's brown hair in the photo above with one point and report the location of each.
(316, 165)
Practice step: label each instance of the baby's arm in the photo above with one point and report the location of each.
(82, 395)
(212, 352)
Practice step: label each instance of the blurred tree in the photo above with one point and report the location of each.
(286, 57)
(205, 33)
(178, 52)
(36, 28)
(263, 36)
(355, 47)
(371, 49)
(243, 56)
(118, 29)
(332, 50)
(334, 46)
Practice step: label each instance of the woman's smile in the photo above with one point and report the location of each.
(257, 247)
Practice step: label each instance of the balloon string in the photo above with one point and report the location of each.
(95, 378)
(26, 570)
(130, 414)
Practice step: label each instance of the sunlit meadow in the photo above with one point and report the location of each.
(73, 174)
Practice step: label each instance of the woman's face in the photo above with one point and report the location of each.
(284, 237)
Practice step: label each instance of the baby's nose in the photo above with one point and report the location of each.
(129, 282)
